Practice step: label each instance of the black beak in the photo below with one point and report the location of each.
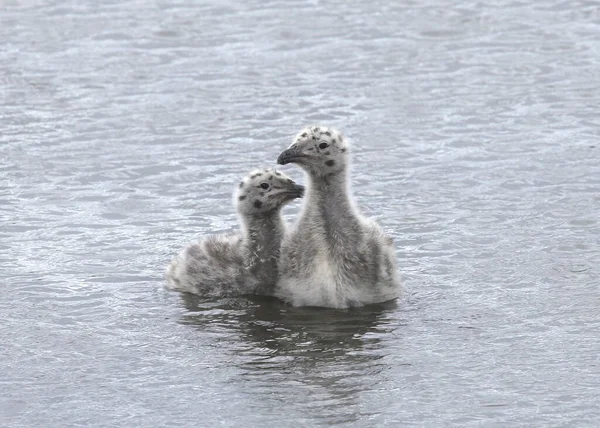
(300, 190)
(294, 191)
(288, 156)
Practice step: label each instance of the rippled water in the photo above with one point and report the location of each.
(475, 131)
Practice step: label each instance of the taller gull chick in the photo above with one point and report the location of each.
(334, 256)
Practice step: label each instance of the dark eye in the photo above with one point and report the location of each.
(323, 145)
(264, 186)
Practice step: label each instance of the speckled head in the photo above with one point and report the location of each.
(264, 191)
(319, 150)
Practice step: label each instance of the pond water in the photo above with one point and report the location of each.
(126, 124)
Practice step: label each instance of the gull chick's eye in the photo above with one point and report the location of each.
(264, 186)
(323, 145)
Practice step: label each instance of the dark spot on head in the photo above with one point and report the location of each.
(241, 184)
(314, 137)
(277, 173)
(323, 145)
(310, 149)
(330, 163)
(289, 180)
(257, 204)
(327, 133)
(258, 174)
(303, 134)
(270, 177)
(333, 140)
(327, 152)
(241, 198)
(343, 150)
(262, 193)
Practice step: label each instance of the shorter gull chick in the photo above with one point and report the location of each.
(244, 262)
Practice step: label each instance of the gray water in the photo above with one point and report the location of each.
(125, 125)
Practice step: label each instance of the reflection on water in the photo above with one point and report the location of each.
(308, 356)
